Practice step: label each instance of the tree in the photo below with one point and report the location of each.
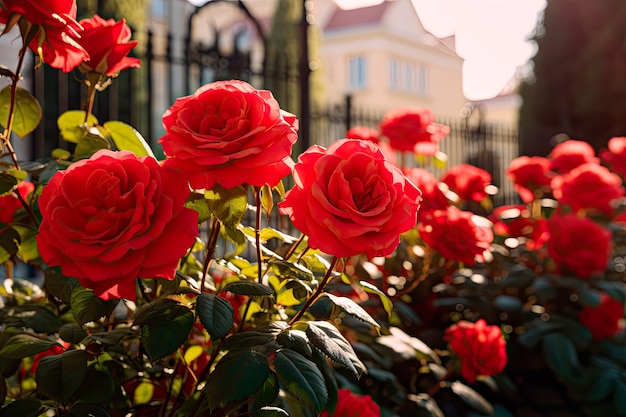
(578, 84)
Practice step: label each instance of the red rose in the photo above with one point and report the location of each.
(433, 197)
(603, 320)
(363, 133)
(467, 181)
(578, 245)
(413, 129)
(589, 186)
(615, 156)
(114, 218)
(56, 22)
(455, 234)
(350, 404)
(229, 133)
(480, 347)
(9, 203)
(349, 199)
(515, 221)
(108, 43)
(531, 176)
(569, 154)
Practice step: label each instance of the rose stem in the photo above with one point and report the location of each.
(293, 247)
(210, 249)
(28, 209)
(257, 234)
(7, 132)
(317, 292)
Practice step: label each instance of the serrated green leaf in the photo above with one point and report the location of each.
(216, 315)
(237, 375)
(24, 345)
(472, 398)
(72, 333)
(251, 289)
(329, 378)
(561, 356)
(90, 143)
(22, 407)
(60, 376)
(72, 126)
(27, 251)
(325, 337)
(165, 326)
(246, 340)
(197, 202)
(301, 378)
(9, 243)
(290, 270)
(372, 289)
(33, 316)
(112, 337)
(237, 238)
(8, 183)
(348, 306)
(27, 111)
(228, 204)
(295, 340)
(267, 394)
(126, 138)
(86, 307)
(59, 285)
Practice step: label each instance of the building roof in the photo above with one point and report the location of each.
(344, 18)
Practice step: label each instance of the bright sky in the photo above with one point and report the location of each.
(491, 36)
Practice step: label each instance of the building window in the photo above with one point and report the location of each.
(421, 81)
(393, 74)
(358, 73)
(159, 9)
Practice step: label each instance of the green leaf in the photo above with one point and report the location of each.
(268, 392)
(31, 315)
(472, 398)
(251, 289)
(426, 406)
(27, 112)
(325, 337)
(86, 307)
(329, 378)
(238, 375)
(372, 289)
(561, 356)
(24, 345)
(72, 125)
(165, 326)
(615, 289)
(9, 243)
(228, 204)
(72, 333)
(60, 376)
(59, 285)
(113, 337)
(216, 315)
(197, 202)
(301, 378)
(246, 340)
(618, 397)
(27, 251)
(270, 412)
(295, 340)
(92, 142)
(126, 138)
(237, 238)
(22, 407)
(8, 183)
(348, 306)
(98, 388)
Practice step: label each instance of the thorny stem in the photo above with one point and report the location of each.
(293, 247)
(214, 233)
(92, 86)
(28, 209)
(426, 268)
(257, 234)
(317, 292)
(6, 135)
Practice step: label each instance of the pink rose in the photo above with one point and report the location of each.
(531, 176)
(413, 129)
(349, 199)
(480, 347)
(570, 154)
(231, 134)
(114, 218)
(467, 181)
(578, 245)
(589, 186)
(108, 42)
(57, 30)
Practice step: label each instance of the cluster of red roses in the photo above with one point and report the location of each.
(92, 45)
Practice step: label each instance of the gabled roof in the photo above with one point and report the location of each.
(363, 16)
